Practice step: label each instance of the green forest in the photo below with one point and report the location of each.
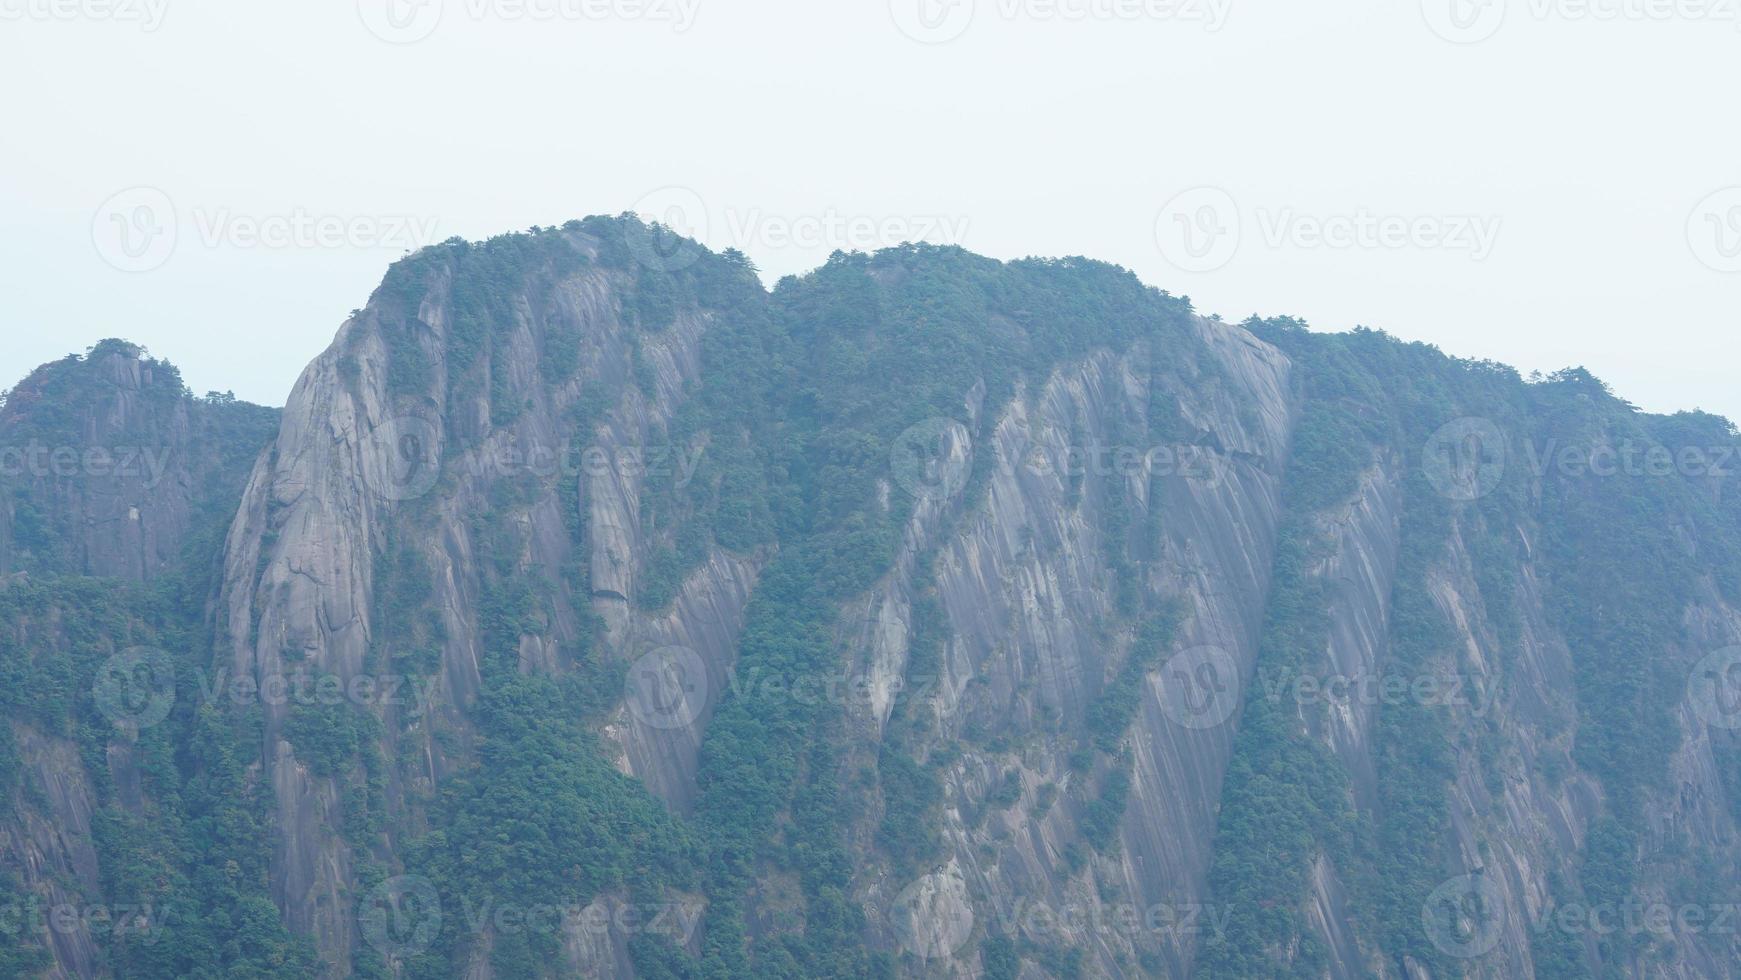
(804, 392)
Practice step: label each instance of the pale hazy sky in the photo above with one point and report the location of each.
(1543, 182)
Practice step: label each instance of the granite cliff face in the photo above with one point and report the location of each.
(1033, 635)
(1147, 645)
(110, 462)
(116, 475)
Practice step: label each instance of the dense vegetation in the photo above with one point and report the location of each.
(68, 408)
(188, 850)
(185, 842)
(919, 314)
(805, 392)
(1616, 585)
(795, 380)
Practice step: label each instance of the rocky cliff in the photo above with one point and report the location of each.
(118, 483)
(595, 611)
(110, 464)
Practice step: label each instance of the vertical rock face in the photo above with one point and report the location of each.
(467, 481)
(112, 475)
(1511, 826)
(1523, 887)
(303, 599)
(1034, 636)
(707, 609)
(51, 845)
(107, 462)
(1111, 576)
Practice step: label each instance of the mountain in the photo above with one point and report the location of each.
(590, 610)
(112, 464)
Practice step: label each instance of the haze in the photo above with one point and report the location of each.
(224, 182)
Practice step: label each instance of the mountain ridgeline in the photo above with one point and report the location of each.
(591, 610)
